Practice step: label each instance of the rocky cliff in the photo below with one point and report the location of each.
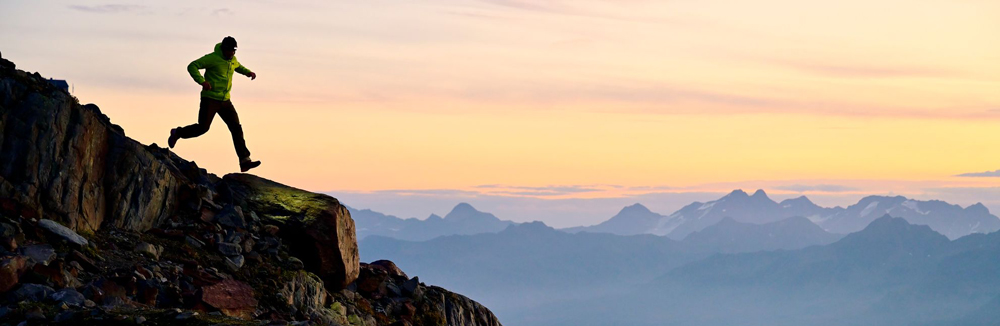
(97, 228)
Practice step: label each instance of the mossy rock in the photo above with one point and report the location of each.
(316, 227)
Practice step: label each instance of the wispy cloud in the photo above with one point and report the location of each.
(819, 187)
(528, 5)
(496, 189)
(108, 9)
(868, 71)
(429, 192)
(222, 12)
(981, 174)
(473, 15)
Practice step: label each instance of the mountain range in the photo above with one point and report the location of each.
(532, 264)
(741, 259)
(890, 273)
(463, 219)
(950, 220)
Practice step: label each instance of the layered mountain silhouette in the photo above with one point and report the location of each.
(463, 219)
(951, 220)
(532, 264)
(730, 236)
(634, 219)
(890, 273)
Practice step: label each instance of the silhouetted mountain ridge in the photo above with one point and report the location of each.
(462, 219)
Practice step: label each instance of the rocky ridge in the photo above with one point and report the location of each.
(96, 228)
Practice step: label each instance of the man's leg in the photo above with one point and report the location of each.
(228, 114)
(206, 112)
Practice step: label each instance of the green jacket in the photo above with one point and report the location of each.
(218, 72)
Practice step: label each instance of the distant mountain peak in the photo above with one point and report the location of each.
(896, 230)
(759, 193)
(736, 194)
(978, 208)
(464, 212)
(888, 220)
(635, 208)
(800, 200)
(462, 208)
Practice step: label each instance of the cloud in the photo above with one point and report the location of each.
(108, 9)
(981, 174)
(473, 15)
(222, 12)
(496, 189)
(428, 192)
(820, 187)
(878, 71)
(652, 188)
(526, 5)
(578, 9)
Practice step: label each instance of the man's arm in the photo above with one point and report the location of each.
(246, 72)
(195, 66)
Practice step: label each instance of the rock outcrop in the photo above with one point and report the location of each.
(95, 226)
(315, 226)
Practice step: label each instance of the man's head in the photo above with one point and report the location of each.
(228, 47)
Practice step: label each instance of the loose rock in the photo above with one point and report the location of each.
(62, 231)
(233, 298)
(149, 249)
(39, 254)
(230, 249)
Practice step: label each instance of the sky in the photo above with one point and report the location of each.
(560, 111)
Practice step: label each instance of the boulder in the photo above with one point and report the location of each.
(68, 296)
(231, 217)
(32, 292)
(233, 298)
(389, 267)
(39, 254)
(230, 249)
(316, 227)
(10, 271)
(235, 263)
(149, 249)
(8, 230)
(411, 288)
(63, 232)
(304, 291)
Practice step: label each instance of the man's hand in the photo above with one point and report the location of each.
(252, 75)
(206, 86)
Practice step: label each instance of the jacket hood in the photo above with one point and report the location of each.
(218, 51)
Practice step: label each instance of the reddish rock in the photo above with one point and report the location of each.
(10, 271)
(57, 274)
(233, 298)
(207, 215)
(372, 281)
(389, 267)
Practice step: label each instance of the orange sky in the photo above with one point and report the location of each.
(440, 94)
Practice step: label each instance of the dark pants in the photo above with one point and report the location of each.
(226, 111)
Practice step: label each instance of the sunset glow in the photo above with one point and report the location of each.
(874, 96)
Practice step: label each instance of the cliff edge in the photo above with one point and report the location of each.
(98, 228)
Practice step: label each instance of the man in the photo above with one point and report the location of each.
(219, 67)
